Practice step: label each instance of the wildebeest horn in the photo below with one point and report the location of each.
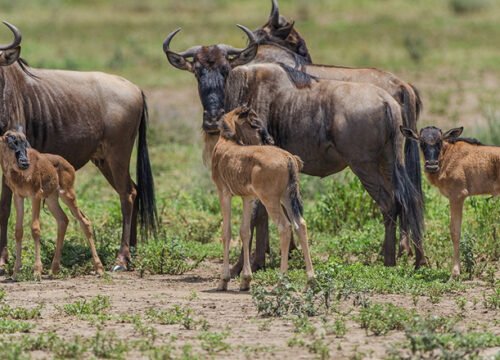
(275, 14)
(186, 54)
(234, 51)
(17, 37)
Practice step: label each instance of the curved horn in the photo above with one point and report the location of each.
(275, 14)
(17, 37)
(188, 53)
(235, 51)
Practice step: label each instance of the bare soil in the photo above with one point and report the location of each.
(250, 336)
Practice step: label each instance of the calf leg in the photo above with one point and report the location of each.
(456, 207)
(246, 276)
(62, 226)
(276, 213)
(35, 232)
(69, 198)
(225, 205)
(5, 203)
(304, 244)
(19, 204)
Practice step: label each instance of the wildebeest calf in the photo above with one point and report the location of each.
(458, 167)
(241, 167)
(29, 173)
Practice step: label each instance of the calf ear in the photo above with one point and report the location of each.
(226, 132)
(179, 62)
(245, 57)
(453, 133)
(409, 133)
(8, 57)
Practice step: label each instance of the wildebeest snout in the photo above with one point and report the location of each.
(211, 120)
(431, 165)
(22, 161)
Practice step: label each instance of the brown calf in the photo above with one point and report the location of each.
(29, 173)
(241, 167)
(459, 168)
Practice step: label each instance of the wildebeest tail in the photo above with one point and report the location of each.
(148, 215)
(412, 154)
(410, 206)
(293, 203)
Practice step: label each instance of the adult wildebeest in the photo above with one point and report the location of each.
(459, 168)
(47, 177)
(211, 66)
(80, 116)
(244, 164)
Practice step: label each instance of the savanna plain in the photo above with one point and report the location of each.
(167, 307)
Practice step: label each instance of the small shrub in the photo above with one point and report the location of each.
(108, 346)
(213, 342)
(8, 326)
(379, 319)
(94, 306)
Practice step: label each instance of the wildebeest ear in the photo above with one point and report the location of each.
(8, 57)
(179, 62)
(245, 57)
(283, 31)
(409, 133)
(453, 133)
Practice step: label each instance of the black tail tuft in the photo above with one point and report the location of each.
(148, 215)
(407, 196)
(293, 189)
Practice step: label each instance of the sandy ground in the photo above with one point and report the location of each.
(250, 335)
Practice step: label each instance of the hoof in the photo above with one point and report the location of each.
(245, 283)
(222, 285)
(37, 276)
(100, 271)
(118, 268)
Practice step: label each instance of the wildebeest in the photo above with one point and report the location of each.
(80, 116)
(30, 174)
(215, 82)
(459, 168)
(242, 165)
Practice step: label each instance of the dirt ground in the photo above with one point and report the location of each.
(250, 336)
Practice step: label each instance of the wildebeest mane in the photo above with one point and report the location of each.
(467, 140)
(300, 61)
(299, 78)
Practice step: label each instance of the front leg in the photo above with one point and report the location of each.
(225, 205)
(456, 208)
(246, 276)
(35, 232)
(19, 204)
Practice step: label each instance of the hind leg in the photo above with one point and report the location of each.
(62, 225)
(246, 276)
(19, 204)
(69, 198)
(225, 205)
(378, 185)
(304, 244)
(118, 176)
(278, 216)
(35, 232)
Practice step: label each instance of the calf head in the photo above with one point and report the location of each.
(431, 143)
(243, 126)
(15, 143)
(211, 66)
(280, 31)
(10, 53)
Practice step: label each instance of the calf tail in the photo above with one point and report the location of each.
(410, 209)
(293, 203)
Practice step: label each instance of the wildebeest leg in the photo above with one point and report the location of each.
(62, 225)
(284, 229)
(304, 244)
(225, 206)
(404, 241)
(456, 207)
(35, 232)
(246, 276)
(19, 204)
(69, 198)
(5, 203)
(133, 228)
(378, 186)
(118, 177)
